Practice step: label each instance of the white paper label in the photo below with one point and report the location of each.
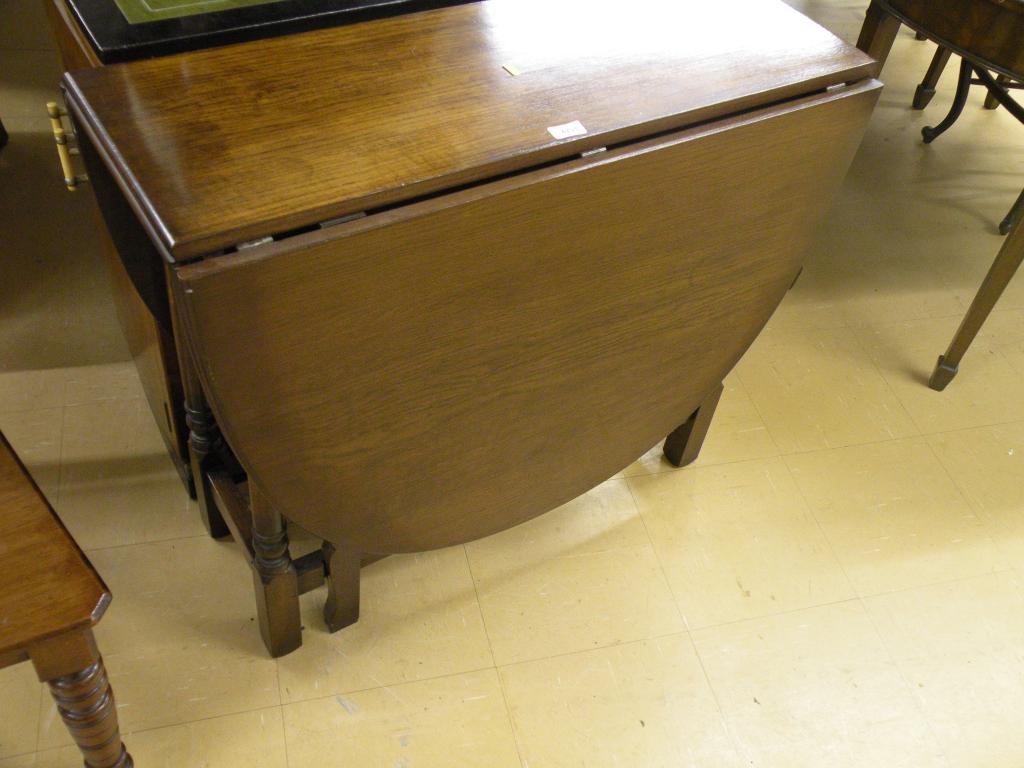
(575, 128)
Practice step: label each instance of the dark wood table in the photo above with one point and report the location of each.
(50, 600)
(439, 274)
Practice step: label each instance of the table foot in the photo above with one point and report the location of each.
(922, 97)
(942, 375)
(342, 606)
(275, 578)
(683, 446)
(926, 88)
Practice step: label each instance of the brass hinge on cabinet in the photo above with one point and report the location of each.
(64, 149)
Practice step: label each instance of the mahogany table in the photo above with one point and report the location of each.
(441, 273)
(51, 599)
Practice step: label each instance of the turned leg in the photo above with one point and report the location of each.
(926, 90)
(342, 606)
(203, 434)
(274, 577)
(963, 87)
(878, 33)
(683, 445)
(74, 671)
(998, 277)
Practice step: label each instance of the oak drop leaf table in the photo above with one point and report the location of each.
(51, 599)
(438, 274)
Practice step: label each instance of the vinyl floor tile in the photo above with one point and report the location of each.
(419, 618)
(960, 646)
(814, 688)
(460, 720)
(250, 739)
(582, 577)
(569, 710)
(894, 517)
(738, 541)
(118, 485)
(987, 465)
(817, 389)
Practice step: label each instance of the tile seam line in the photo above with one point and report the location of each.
(863, 606)
(729, 731)
(490, 647)
(126, 734)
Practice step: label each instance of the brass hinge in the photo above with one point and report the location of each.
(64, 148)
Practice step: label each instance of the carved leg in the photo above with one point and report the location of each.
(74, 671)
(203, 435)
(963, 87)
(684, 444)
(1013, 216)
(926, 90)
(274, 577)
(878, 33)
(998, 277)
(342, 606)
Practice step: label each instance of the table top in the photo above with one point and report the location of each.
(49, 587)
(225, 145)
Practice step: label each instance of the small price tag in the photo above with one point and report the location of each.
(564, 131)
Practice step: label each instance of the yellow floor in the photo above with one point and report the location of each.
(833, 584)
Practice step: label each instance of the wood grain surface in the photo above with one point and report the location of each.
(49, 587)
(225, 145)
(447, 369)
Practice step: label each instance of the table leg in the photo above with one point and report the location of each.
(684, 444)
(878, 33)
(998, 277)
(3, 136)
(274, 576)
(343, 568)
(926, 89)
(203, 434)
(73, 669)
